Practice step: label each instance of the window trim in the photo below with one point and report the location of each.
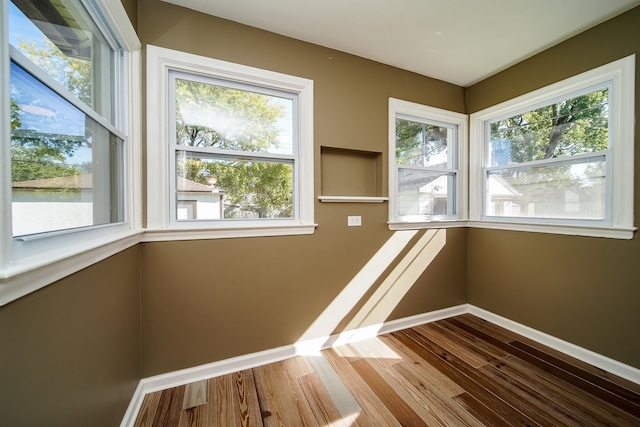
(621, 74)
(412, 109)
(160, 61)
(60, 254)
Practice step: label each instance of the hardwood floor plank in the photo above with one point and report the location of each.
(509, 336)
(320, 402)
(550, 366)
(396, 405)
(482, 348)
(281, 400)
(453, 344)
(373, 412)
(481, 389)
(337, 391)
(148, 410)
(480, 411)
(449, 413)
(169, 407)
(195, 394)
(222, 411)
(197, 416)
(559, 396)
(537, 400)
(425, 405)
(426, 372)
(576, 371)
(574, 397)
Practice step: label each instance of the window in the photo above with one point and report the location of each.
(560, 158)
(236, 158)
(426, 148)
(65, 120)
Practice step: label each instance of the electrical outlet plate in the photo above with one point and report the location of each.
(354, 221)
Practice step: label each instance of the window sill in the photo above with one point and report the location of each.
(160, 235)
(417, 225)
(571, 230)
(30, 274)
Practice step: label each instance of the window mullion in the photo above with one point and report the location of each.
(548, 162)
(251, 155)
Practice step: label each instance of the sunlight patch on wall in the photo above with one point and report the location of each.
(317, 334)
(378, 308)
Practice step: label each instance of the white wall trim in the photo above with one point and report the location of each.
(247, 361)
(599, 361)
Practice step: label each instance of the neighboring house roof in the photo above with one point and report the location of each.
(188, 186)
(77, 182)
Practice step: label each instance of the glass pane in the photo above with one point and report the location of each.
(569, 190)
(213, 188)
(423, 193)
(422, 144)
(64, 165)
(573, 126)
(63, 41)
(209, 115)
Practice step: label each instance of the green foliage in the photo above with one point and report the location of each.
(26, 165)
(15, 115)
(417, 143)
(72, 73)
(574, 126)
(232, 119)
(225, 118)
(36, 155)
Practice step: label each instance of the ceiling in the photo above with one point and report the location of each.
(458, 41)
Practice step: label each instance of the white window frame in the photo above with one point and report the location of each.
(160, 226)
(620, 75)
(32, 262)
(406, 109)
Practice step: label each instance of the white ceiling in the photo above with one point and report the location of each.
(458, 41)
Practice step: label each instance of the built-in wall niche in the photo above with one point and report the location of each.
(351, 175)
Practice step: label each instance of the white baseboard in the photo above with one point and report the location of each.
(599, 361)
(234, 364)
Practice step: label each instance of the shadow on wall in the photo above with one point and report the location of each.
(378, 307)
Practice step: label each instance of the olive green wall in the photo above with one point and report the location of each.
(208, 300)
(69, 353)
(583, 290)
(72, 353)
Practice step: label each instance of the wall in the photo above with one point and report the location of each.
(583, 290)
(209, 300)
(69, 353)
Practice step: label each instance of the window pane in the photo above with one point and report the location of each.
(214, 188)
(573, 126)
(209, 115)
(425, 193)
(569, 190)
(63, 41)
(422, 144)
(64, 165)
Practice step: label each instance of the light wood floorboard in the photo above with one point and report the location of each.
(461, 371)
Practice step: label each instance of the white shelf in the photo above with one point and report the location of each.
(352, 199)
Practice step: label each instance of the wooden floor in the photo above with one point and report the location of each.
(461, 371)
